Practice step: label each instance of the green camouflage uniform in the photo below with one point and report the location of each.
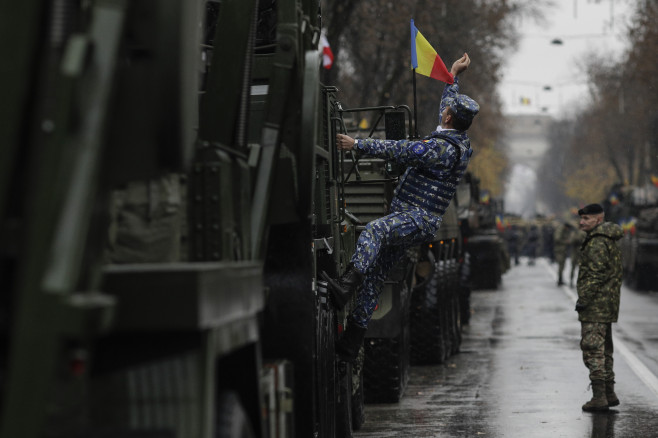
(562, 241)
(599, 284)
(577, 239)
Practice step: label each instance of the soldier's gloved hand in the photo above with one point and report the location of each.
(580, 307)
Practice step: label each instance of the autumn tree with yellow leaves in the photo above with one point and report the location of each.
(614, 140)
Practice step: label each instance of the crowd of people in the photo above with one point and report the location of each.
(556, 240)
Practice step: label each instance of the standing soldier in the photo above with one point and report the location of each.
(531, 243)
(562, 242)
(577, 239)
(548, 241)
(512, 235)
(599, 284)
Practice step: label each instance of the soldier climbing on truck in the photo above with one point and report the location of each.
(436, 164)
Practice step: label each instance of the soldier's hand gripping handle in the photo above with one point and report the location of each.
(344, 142)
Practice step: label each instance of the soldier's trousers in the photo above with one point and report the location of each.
(381, 244)
(561, 259)
(596, 344)
(575, 256)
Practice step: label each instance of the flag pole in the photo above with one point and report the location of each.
(415, 114)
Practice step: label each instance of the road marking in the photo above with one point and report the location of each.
(635, 364)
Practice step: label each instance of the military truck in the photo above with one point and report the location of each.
(440, 301)
(198, 135)
(487, 254)
(170, 192)
(417, 318)
(636, 210)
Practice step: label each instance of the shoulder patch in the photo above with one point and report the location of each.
(419, 149)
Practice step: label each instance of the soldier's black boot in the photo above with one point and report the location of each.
(598, 401)
(348, 346)
(610, 393)
(343, 288)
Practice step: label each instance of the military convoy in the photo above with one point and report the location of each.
(171, 191)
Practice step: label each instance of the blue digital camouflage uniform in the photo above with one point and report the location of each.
(599, 285)
(434, 168)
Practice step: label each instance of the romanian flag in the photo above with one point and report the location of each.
(625, 225)
(500, 223)
(425, 60)
(628, 225)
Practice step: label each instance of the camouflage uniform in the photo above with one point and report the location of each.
(599, 284)
(562, 243)
(434, 167)
(577, 240)
(382, 243)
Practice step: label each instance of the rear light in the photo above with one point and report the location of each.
(78, 363)
(341, 329)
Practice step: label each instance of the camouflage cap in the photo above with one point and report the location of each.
(463, 106)
(590, 209)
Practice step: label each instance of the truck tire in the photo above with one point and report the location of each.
(344, 405)
(384, 380)
(427, 337)
(358, 400)
(445, 309)
(456, 324)
(464, 304)
(492, 277)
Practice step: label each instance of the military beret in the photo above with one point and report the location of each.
(463, 106)
(590, 209)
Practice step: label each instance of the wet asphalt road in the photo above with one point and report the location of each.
(520, 372)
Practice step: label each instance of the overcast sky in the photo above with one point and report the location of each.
(582, 26)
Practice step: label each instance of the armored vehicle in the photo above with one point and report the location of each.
(440, 301)
(487, 255)
(170, 191)
(417, 319)
(636, 210)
